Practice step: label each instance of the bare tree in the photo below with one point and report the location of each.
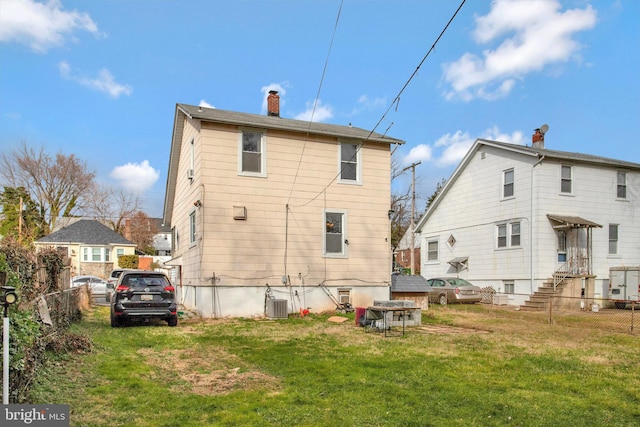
(54, 183)
(439, 186)
(141, 230)
(112, 206)
(400, 203)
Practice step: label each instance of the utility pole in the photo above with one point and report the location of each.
(413, 213)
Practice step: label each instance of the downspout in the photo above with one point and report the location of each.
(531, 278)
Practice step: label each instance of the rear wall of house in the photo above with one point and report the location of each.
(283, 233)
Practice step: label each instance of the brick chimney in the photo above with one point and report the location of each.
(537, 139)
(273, 104)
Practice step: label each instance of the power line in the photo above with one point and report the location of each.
(395, 101)
(315, 103)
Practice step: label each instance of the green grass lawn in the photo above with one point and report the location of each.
(468, 365)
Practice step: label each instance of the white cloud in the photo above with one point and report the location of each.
(535, 34)
(103, 82)
(450, 149)
(419, 153)
(205, 104)
(41, 25)
(494, 134)
(135, 177)
(455, 146)
(315, 112)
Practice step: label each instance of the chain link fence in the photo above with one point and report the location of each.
(605, 314)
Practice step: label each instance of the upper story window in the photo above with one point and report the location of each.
(621, 192)
(350, 163)
(508, 235)
(508, 184)
(252, 153)
(334, 234)
(613, 239)
(432, 250)
(566, 179)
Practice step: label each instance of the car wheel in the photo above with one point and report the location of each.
(443, 299)
(173, 321)
(115, 321)
(621, 305)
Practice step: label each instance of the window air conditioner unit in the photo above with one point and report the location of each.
(190, 173)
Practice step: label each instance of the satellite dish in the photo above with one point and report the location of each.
(544, 129)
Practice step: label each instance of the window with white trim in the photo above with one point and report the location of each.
(252, 153)
(192, 227)
(350, 163)
(508, 184)
(566, 179)
(508, 235)
(621, 188)
(334, 233)
(95, 254)
(515, 234)
(432, 250)
(613, 239)
(509, 288)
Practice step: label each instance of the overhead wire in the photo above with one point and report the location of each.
(396, 102)
(317, 99)
(313, 112)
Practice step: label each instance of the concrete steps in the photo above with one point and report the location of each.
(540, 298)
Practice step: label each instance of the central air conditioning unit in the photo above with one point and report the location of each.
(277, 309)
(190, 173)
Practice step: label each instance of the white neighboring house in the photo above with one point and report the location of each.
(513, 216)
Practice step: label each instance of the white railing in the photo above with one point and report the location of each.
(560, 274)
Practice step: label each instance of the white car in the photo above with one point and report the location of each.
(97, 285)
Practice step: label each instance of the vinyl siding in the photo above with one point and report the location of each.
(472, 206)
(301, 173)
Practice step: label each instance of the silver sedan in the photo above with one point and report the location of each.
(447, 290)
(97, 285)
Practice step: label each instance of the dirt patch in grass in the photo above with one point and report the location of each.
(209, 374)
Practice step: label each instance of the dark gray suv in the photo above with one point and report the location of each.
(143, 295)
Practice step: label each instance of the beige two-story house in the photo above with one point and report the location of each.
(264, 208)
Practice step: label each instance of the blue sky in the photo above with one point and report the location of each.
(100, 79)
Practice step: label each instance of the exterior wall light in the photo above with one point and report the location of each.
(8, 296)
